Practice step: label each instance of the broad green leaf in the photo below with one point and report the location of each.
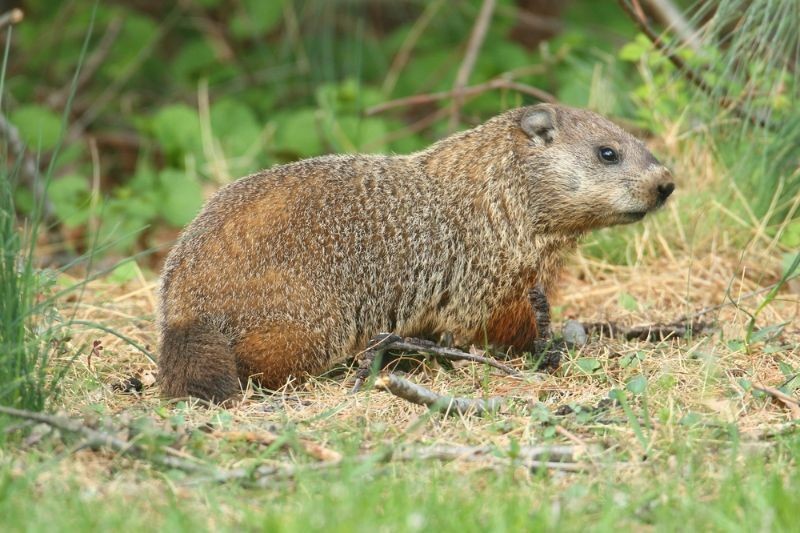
(195, 58)
(355, 134)
(735, 345)
(636, 50)
(124, 272)
(137, 31)
(767, 333)
(637, 384)
(628, 302)
(39, 128)
(791, 239)
(235, 126)
(298, 133)
(70, 197)
(617, 394)
(177, 128)
(629, 360)
(257, 17)
(588, 364)
(691, 419)
(786, 369)
(182, 196)
(123, 220)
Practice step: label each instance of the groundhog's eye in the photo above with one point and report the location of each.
(608, 155)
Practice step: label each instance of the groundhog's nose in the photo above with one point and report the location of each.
(664, 190)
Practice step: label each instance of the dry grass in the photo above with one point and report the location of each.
(703, 375)
(697, 389)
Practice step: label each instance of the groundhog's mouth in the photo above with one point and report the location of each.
(632, 216)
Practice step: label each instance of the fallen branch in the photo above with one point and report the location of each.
(466, 92)
(96, 439)
(790, 402)
(267, 438)
(389, 341)
(649, 332)
(451, 354)
(448, 405)
(532, 457)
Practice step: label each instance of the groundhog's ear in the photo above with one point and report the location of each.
(540, 124)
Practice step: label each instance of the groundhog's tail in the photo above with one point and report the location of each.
(197, 361)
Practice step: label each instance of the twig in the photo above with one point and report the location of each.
(672, 18)
(717, 307)
(448, 405)
(465, 92)
(95, 438)
(634, 11)
(418, 345)
(9, 18)
(770, 432)
(92, 63)
(556, 453)
(249, 477)
(98, 104)
(389, 341)
(470, 56)
(317, 451)
(647, 332)
(791, 403)
(532, 457)
(401, 58)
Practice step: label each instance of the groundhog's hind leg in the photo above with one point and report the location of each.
(198, 361)
(275, 354)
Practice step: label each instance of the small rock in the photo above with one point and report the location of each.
(574, 333)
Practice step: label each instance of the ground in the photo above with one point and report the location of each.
(692, 432)
(693, 425)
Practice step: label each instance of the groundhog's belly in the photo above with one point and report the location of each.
(511, 324)
(500, 321)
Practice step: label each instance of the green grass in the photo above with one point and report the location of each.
(691, 404)
(31, 329)
(713, 489)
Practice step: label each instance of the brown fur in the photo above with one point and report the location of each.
(293, 269)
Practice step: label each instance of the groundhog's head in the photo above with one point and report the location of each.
(587, 172)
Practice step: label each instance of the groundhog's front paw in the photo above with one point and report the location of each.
(547, 354)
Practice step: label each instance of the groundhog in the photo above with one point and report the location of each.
(293, 269)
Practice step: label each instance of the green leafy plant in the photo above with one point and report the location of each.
(31, 329)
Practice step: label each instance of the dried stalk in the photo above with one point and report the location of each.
(476, 39)
(448, 405)
(9, 18)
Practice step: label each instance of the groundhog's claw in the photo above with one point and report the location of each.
(546, 350)
(366, 359)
